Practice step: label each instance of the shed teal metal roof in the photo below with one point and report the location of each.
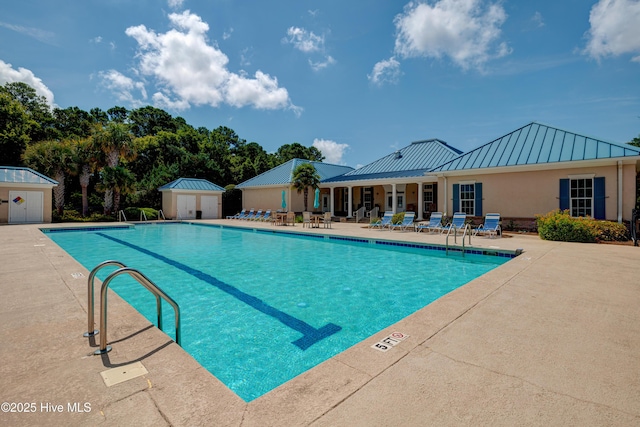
(191, 184)
(536, 144)
(412, 160)
(20, 175)
(283, 174)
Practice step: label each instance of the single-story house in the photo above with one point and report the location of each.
(26, 196)
(397, 182)
(538, 168)
(274, 190)
(191, 198)
(529, 171)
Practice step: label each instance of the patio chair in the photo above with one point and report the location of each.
(491, 226)
(406, 222)
(306, 219)
(384, 222)
(435, 223)
(326, 220)
(291, 218)
(238, 215)
(459, 218)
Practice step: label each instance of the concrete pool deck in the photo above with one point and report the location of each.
(550, 338)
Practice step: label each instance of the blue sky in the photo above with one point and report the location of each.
(358, 79)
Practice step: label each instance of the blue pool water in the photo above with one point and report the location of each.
(259, 308)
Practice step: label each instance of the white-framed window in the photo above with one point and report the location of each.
(400, 198)
(368, 198)
(581, 196)
(467, 198)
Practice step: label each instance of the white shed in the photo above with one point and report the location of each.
(26, 196)
(191, 198)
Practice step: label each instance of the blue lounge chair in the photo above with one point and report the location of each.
(384, 222)
(258, 216)
(491, 225)
(238, 215)
(266, 216)
(458, 221)
(246, 215)
(406, 222)
(253, 215)
(435, 223)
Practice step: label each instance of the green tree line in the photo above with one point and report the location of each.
(107, 160)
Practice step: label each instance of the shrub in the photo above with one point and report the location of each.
(560, 226)
(374, 219)
(397, 218)
(71, 215)
(133, 213)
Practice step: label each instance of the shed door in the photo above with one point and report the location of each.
(209, 206)
(26, 206)
(186, 206)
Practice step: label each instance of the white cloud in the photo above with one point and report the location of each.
(227, 34)
(331, 150)
(537, 20)
(615, 29)
(123, 87)
(36, 33)
(322, 64)
(175, 4)
(188, 70)
(466, 31)
(385, 71)
(96, 40)
(304, 40)
(10, 75)
(309, 43)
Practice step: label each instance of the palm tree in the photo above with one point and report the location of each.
(305, 176)
(85, 162)
(116, 141)
(51, 158)
(121, 180)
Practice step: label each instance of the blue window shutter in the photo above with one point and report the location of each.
(456, 198)
(598, 198)
(478, 199)
(564, 194)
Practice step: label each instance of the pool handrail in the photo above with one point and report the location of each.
(151, 287)
(90, 295)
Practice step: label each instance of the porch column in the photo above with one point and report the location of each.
(420, 202)
(394, 199)
(331, 207)
(349, 202)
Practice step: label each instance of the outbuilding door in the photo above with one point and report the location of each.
(186, 206)
(209, 206)
(26, 206)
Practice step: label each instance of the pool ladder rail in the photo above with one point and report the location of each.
(467, 232)
(140, 278)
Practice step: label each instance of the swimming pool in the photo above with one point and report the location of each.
(259, 308)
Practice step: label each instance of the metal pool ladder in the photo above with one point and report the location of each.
(467, 228)
(140, 278)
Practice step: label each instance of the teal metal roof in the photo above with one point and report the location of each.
(412, 160)
(191, 184)
(283, 174)
(20, 175)
(536, 144)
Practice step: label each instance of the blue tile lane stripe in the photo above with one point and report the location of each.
(310, 335)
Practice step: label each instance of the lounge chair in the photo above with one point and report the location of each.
(258, 216)
(266, 216)
(246, 215)
(491, 226)
(435, 223)
(238, 215)
(384, 222)
(252, 215)
(326, 220)
(459, 218)
(406, 222)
